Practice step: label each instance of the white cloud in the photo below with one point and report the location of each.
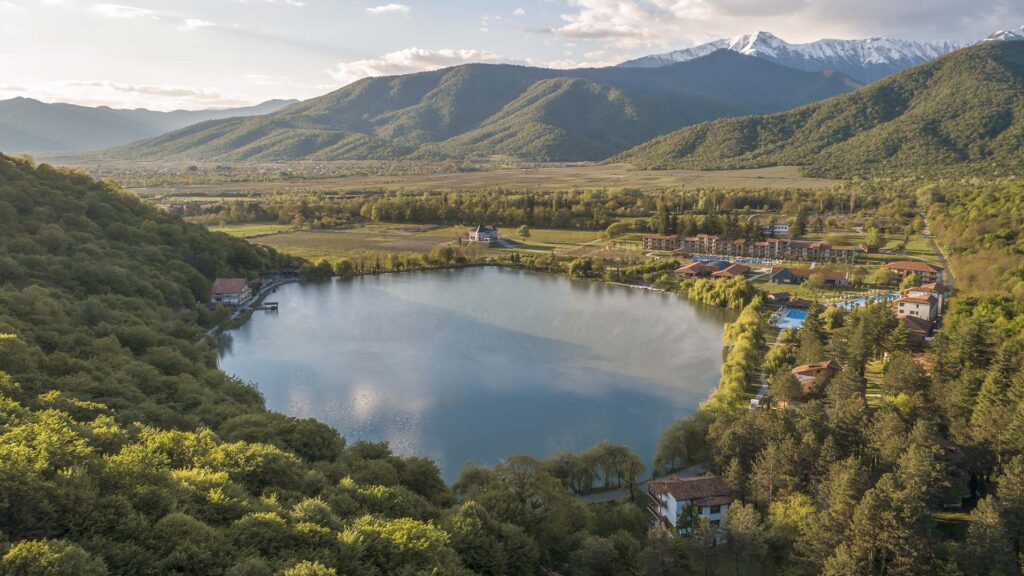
(123, 11)
(389, 9)
(193, 24)
(640, 23)
(412, 60)
(519, 12)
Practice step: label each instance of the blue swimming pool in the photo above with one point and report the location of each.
(858, 302)
(791, 318)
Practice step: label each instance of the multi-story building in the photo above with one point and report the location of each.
(770, 249)
(681, 502)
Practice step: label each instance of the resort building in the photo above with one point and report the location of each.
(933, 289)
(926, 273)
(230, 291)
(484, 234)
(660, 242)
(680, 502)
(770, 249)
(701, 269)
(926, 307)
(782, 275)
(780, 229)
(732, 271)
(811, 375)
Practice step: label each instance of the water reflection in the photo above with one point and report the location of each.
(482, 363)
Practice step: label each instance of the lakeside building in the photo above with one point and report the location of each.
(230, 291)
(785, 275)
(926, 273)
(680, 502)
(770, 249)
(484, 234)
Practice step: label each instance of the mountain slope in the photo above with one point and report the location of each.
(866, 60)
(963, 112)
(483, 110)
(28, 125)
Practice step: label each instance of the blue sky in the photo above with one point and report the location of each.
(166, 54)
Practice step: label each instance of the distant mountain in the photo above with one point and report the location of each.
(1006, 35)
(865, 60)
(960, 114)
(28, 125)
(480, 110)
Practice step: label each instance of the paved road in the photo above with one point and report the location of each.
(947, 272)
(623, 494)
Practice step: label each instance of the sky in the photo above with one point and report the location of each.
(195, 54)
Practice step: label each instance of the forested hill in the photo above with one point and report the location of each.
(483, 110)
(125, 451)
(960, 114)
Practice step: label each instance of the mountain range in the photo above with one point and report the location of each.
(865, 60)
(28, 125)
(960, 114)
(482, 110)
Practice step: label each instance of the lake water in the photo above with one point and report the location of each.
(477, 364)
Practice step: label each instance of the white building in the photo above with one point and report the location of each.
(484, 234)
(923, 307)
(934, 290)
(780, 228)
(679, 502)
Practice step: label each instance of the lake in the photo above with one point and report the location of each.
(477, 364)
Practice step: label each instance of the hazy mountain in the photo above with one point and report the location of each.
(960, 114)
(483, 110)
(28, 125)
(866, 60)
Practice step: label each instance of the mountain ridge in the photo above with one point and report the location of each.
(30, 125)
(962, 113)
(462, 111)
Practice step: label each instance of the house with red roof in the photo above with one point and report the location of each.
(925, 272)
(230, 291)
(810, 375)
(680, 502)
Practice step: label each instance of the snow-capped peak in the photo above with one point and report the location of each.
(866, 60)
(1006, 35)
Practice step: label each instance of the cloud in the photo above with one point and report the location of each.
(193, 24)
(389, 9)
(412, 60)
(123, 11)
(519, 12)
(637, 23)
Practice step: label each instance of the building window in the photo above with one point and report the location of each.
(716, 509)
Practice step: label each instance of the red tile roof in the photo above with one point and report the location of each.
(707, 490)
(919, 326)
(816, 368)
(228, 286)
(913, 266)
(917, 299)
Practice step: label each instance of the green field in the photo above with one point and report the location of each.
(612, 177)
(334, 244)
(252, 230)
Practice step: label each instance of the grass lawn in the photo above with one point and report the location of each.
(335, 244)
(252, 230)
(558, 177)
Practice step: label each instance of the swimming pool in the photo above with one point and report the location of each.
(791, 318)
(858, 302)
